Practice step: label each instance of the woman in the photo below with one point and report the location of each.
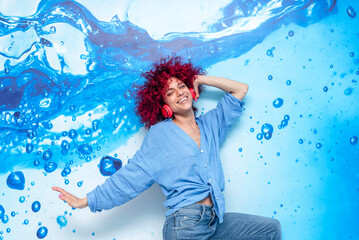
(181, 154)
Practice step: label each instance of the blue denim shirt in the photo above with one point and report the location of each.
(171, 158)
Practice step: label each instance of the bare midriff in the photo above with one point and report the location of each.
(206, 201)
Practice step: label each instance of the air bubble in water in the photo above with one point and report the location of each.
(351, 12)
(16, 180)
(109, 165)
(353, 140)
(61, 220)
(277, 103)
(72, 133)
(85, 149)
(50, 167)
(35, 206)
(41, 232)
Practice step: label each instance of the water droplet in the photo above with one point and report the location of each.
(291, 33)
(351, 54)
(52, 30)
(47, 155)
(8, 230)
(300, 141)
(325, 88)
(65, 145)
(251, 130)
(5, 219)
(31, 134)
(50, 167)
(29, 148)
(22, 199)
(277, 103)
(268, 135)
(348, 91)
(36, 163)
(318, 145)
(353, 140)
(95, 124)
(47, 125)
(284, 123)
(2, 211)
(351, 12)
(12, 214)
(16, 180)
(267, 128)
(79, 184)
(26, 221)
(109, 165)
(35, 206)
(67, 181)
(66, 171)
(72, 133)
(72, 108)
(61, 220)
(286, 117)
(85, 149)
(240, 149)
(41, 232)
(88, 131)
(288, 82)
(270, 77)
(259, 136)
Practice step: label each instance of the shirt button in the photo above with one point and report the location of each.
(205, 165)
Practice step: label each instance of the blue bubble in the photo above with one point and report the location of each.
(300, 141)
(270, 77)
(2, 211)
(88, 159)
(47, 125)
(8, 230)
(318, 145)
(65, 145)
(79, 184)
(47, 155)
(67, 181)
(109, 165)
(351, 54)
(259, 136)
(88, 131)
(353, 140)
(22, 199)
(98, 148)
(35, 206)
(16, 180)
(284, 123)
(61, 220)
(32, 183)
(26, 221)
(348, 91)
(291, 33)
(66, 171)
(5, 219)
(325, 88)
(351, 12)
(72, 134)
(64, 133)
(74, 118)
(50, 167)
(240, 149)
(85, 149)
(288, 82)
(36, 163)
(72, 108)
(279, 126)
(251, 130)
(41, 232)
(13, 214)
(31, 134)
(286, 117)
(29, 148)
(95, 124)
(267, 128)
(93, 234)
(277, 103)
(268, 135)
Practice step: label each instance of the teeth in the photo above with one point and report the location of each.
(182, 100)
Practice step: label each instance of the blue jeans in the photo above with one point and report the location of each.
(199, 221)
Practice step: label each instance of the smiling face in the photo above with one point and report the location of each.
(178, 97)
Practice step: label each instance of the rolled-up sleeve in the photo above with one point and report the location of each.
(126, 183)
(221, 118)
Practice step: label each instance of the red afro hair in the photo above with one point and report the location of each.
(149, 96)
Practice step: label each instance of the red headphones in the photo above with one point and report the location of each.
(167, 111)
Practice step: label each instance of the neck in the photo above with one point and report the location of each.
(185, 120)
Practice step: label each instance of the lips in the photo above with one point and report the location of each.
(183, 100)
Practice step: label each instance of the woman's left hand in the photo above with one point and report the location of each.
(195, 87)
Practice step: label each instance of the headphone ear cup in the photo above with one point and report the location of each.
(193, 93)
(166, 111)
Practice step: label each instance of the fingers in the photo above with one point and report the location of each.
(66, 196)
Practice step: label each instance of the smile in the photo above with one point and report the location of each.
(183, 100)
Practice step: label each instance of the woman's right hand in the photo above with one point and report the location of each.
(70, 199)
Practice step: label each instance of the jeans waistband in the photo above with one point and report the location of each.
(195, 208)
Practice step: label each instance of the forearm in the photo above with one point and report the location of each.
(237, 89)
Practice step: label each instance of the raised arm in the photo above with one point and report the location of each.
(237, 89)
